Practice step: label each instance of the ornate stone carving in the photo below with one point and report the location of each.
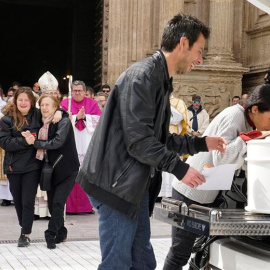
(215, 98)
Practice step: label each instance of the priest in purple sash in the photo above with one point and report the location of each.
(85, 115)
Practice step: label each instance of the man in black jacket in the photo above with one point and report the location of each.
(132, 144)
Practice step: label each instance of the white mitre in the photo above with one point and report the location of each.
(47, 82)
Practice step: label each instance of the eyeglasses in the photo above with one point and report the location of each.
(78, 91)
(196, 102)
(106, 91)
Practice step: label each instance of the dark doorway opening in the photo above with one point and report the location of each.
(46, 35)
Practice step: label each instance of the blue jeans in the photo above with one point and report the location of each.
(124, 242)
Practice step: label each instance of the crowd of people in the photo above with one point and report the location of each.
(36, 123)
(145, 141)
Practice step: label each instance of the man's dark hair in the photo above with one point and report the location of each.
(15, 83)
(196, 98)
(182, 26)
(105, 86)
(90, 89)
(236, 97)
(11, 89)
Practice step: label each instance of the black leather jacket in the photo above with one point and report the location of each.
(61, 140)
(19, 156)
(132, 139)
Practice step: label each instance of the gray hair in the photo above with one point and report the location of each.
(77, 82)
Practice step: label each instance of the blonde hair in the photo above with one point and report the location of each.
(55, 100)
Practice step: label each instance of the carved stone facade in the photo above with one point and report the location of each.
(256, 41)
(215, 86)
(105, 40)
(236, 56)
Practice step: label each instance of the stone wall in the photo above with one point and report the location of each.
(220, 77)
(135, 30)
(256, 43)
(236, 55)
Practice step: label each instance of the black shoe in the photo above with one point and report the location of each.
(23, 241)
(51, 243)
(6, 203)
(61, 235)
(60, 238)
(36, 217)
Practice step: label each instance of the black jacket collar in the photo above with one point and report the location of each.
(160, 56)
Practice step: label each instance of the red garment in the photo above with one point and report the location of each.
(250, 135)
(78, 202)
(90, 107)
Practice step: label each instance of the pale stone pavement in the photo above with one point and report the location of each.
(81, 251)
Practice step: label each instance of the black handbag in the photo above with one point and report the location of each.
(46, 173)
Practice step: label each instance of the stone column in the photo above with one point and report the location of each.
(129, 34)
(220, 45)
(168, 8)
(220, 77)
(118, 38)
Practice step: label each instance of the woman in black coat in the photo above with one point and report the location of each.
(56, 139)
(20, 165)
